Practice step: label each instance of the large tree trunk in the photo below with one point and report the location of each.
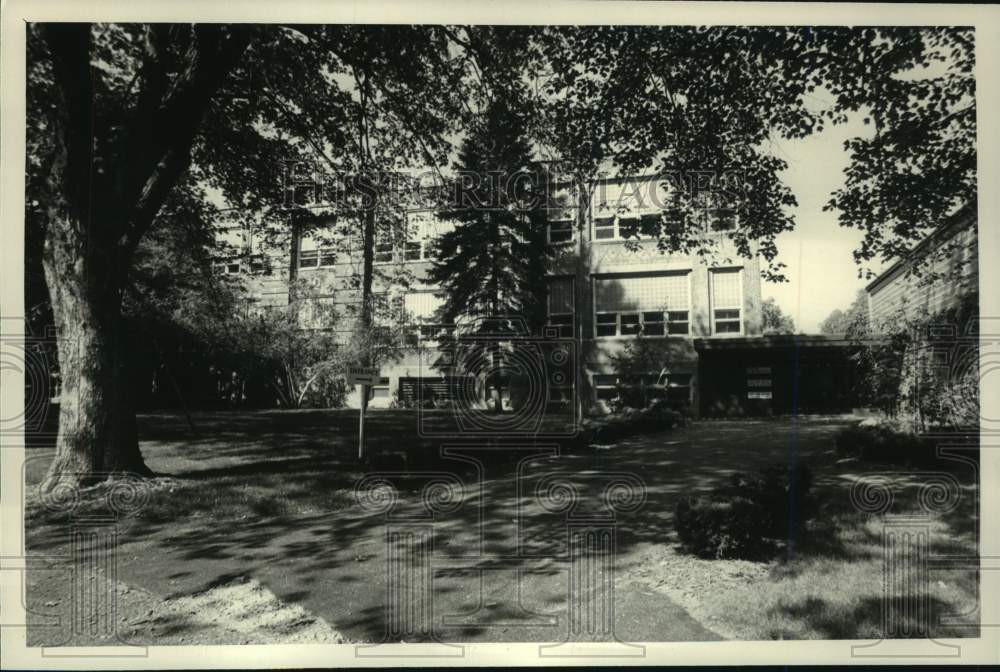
(112, 170)
(97, 428)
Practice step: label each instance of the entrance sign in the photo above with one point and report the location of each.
(358, 375)
(363, 376)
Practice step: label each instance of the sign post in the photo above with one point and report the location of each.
(363, 376)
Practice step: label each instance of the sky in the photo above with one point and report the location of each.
(821, 272)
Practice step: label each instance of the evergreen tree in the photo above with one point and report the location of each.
(491, 266)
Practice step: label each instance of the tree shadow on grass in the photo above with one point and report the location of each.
(272, 494)
(872, 617)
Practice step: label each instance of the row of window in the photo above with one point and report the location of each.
(562, 231)
(648, 305)
(654, 305)
(252, 265)
(559, 232)
(384, 253)
(676, 387)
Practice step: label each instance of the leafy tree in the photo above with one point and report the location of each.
(774, 320)
(851, 322)
(120, 114)
(915, 90)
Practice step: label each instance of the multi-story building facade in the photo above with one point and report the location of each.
(606, 288)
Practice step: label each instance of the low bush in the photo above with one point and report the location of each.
(630, 422)
(713, 528)
(781, 493)
(747, 518)
(883, 443)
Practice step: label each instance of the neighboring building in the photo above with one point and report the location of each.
(601, 294)
(951, 272)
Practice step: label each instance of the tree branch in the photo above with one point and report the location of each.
(211, 56)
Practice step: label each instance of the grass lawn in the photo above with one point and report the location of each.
(267, 499)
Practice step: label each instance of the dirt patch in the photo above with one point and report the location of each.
(240, 611)
(245, 609)
(687, 580)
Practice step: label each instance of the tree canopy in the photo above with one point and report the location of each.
(774, 321)
(133, 127)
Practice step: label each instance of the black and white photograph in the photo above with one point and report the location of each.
(583, 337)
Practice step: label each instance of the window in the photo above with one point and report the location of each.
(314, 258)
(677, 322)
(723, 220)
(627, 226)
(629, 324)
(650, 225)
(674, 387)
(380, 391)
(607, 324)
(561, 303)
(327, 257)
(383, 252)
(421, 312)
(560, 231)
(604, 386)
(231, 267)
(647, 305)
(727, 300)
(604, 229)
(422, 232)
(652, 323)
(412, 251)
(309, 259)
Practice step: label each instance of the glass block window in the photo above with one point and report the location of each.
(643, 292)
(650, 305)
(727, 301)
(421, 306)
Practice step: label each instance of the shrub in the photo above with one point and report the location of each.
(630, 422)
(882, 443)
(725, 528)
(747, 518)
(782, 495)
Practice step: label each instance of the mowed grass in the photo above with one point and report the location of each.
(276, 469)
(239, 465)
(846, 578)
